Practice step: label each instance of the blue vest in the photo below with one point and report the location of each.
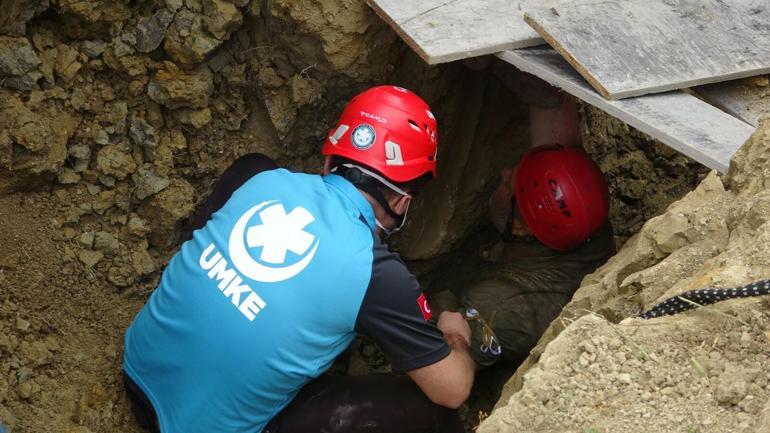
(258, 302)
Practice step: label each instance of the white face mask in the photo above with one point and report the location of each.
(388, 232)
(390, 186)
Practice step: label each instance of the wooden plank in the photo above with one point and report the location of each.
(748, 99)
(679, 120)
(629, 48)
(445, 30)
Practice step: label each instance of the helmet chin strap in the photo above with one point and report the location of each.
(386, 231)
(367, 181)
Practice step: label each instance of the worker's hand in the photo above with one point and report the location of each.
(450, 322)
(500, 201)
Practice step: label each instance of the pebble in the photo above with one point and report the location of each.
(86, 239)
(90, 258)
(93, 189)
(27, 389)
(150, 31)
(93, 48)
(583, 360)
(121, 276)
(106, 243)
(137, 226)
(148, 183)
(19, 63)
(142, 262)
(67, 176)
(625, 378)
(22, 325)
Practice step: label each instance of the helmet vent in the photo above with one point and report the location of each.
(414, 125)
(342, 129)
(558, 196)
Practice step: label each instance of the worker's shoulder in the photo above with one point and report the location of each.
(388, 268)
(286, 184)
(285, 175)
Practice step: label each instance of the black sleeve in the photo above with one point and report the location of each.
(395, 314)
(243, 169)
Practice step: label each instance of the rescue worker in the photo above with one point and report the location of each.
(283, 271)
(552, 214)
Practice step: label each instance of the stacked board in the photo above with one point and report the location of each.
(682, 121)
(613, 49)
(634, 47)
(445, 30)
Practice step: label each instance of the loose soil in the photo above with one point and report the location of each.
(697, 373)
(61, 328)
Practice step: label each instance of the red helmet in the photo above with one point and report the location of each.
(389, 129)
(561, 194)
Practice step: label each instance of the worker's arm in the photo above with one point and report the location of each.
(396, 314)
(448, 381)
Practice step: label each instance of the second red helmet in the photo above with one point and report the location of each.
(561, 194)
(389, 129)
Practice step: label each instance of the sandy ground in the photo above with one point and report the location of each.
(695, 374)
(61, 329)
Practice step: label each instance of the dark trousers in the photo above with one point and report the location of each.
(373, 404)
(342, 404)
(141, 406)
(330, 403)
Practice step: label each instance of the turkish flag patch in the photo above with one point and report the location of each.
(424, 307)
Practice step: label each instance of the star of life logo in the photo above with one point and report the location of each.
(271, 248)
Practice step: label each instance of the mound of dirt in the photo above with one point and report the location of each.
(689, 373)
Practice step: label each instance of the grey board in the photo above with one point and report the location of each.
(747, 99)
(445, 30)
(680, 120)
(629, 48)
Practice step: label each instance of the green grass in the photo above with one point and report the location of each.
(683, 299)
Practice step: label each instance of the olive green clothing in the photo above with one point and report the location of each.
(519, 298)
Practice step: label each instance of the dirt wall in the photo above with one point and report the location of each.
(644, 175)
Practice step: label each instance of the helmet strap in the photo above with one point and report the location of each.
(368, 181)
(507, 235)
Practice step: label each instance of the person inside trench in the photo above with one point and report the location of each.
(551, 213)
